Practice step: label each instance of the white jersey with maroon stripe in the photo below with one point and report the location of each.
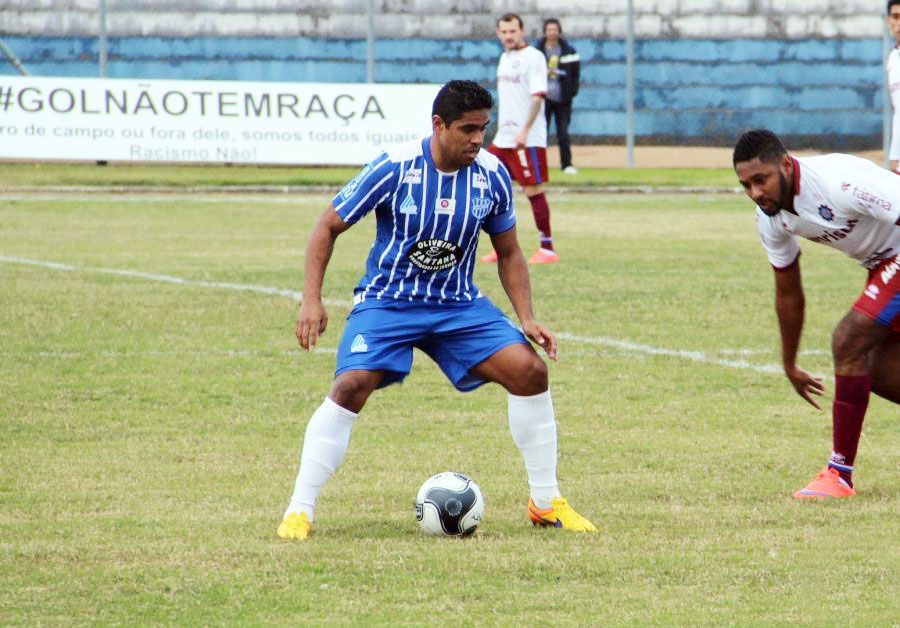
(521, 74)
(893, 76)
(842, 201)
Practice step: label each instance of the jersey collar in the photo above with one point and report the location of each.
(796, 176)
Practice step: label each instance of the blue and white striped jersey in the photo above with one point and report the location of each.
(427, 223)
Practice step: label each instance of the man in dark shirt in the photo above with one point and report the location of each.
(563, 68)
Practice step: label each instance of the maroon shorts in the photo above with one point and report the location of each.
(527, 166)
(880, 301)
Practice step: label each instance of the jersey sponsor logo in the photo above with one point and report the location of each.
(408, 206)
(872, 292)
(413, 176)
(445, 206)
(481, 206)
(479, 181)
(872, 199)
(433, 255)
(845, 186)
(837, 234)
(350, 188)
(359, 344)
(889, 271)
(826, 213)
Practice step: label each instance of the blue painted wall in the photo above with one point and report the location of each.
(818, 91)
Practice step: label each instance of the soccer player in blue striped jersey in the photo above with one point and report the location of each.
(431, 200)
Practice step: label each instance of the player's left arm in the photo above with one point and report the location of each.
(537, 86)
(533, 111)
(513, 271)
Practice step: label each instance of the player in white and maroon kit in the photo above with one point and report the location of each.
(893, 77)
(852, 205)
(521, 139)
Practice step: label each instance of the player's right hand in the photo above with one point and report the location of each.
(311, 323)
(806, 384)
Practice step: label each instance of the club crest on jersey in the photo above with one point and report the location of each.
(826, 213)
(350, 188)
(413, 176)
(433, 255)
(481, 206)
(445, 206)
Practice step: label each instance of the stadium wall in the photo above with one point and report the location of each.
(704, 70)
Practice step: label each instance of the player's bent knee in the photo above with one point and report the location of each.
(886, 387)
(351, 389)
(886, 372)
(851, 341)
(533, 379)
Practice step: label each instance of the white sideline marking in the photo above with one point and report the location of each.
(166, 354)
(695, 356)
(111, 197)
(291, 294)
(632, 347)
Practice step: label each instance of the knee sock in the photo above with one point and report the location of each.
(533, 427)
(541, 211)
(851, 398)
(324, 446)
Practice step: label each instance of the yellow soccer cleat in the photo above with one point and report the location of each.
(559, 515)
(295, 526)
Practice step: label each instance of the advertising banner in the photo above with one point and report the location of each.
(46, 118)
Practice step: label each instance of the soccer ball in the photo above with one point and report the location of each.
(449, 504)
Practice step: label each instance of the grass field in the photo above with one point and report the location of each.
(150, 430)
(18, 175)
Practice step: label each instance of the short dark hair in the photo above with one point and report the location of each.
(760, 143)
(553, 20)
(458, 97)
(890, 4)
(509, 17)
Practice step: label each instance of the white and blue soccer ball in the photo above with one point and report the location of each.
(449, 504)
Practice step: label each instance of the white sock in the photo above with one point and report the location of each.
(324, 446)
(533, 427)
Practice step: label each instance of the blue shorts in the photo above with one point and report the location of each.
(457, 337)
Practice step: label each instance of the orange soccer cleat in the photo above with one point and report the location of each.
(827, 484)
(490, 257)
(544, 256)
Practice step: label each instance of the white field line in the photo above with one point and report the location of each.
(219, 285)
(108, 197)
(165, 354)
(694, 356)
(623, 345)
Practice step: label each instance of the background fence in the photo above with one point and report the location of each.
(703, 70)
